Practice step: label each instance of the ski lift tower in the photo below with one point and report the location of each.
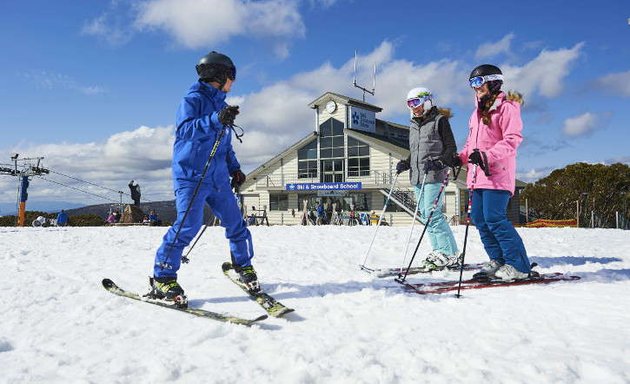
(354, 79)
(27, 168)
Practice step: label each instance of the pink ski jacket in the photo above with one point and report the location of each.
(499, 140)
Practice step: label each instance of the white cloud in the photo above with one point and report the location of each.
(101, 168)
(533, 174)
(52, 81)
(618, 83)
(580, 125)
(203, 23)
(493, 49)
(543, 75)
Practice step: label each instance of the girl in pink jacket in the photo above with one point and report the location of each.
(494, 135)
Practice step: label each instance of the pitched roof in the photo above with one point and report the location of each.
(343, 100)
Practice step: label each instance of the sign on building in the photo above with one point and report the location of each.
(324, 186)
(362, 119)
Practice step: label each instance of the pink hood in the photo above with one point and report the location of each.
(499, 140)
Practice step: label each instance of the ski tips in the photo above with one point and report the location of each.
(108, 284)
(226, 266)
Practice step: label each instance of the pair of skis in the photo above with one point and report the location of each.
(399, 271)
(479, 280)
(267, 302)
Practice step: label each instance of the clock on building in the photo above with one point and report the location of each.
(331, 106)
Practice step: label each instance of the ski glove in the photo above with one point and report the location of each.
(228, 114)
(456, 161)
(238, 178)
(402, 166)
(479, 158)
(433, 165)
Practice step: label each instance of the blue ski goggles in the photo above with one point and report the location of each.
(417, 101)
(478, 81)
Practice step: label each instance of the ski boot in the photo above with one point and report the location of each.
(168, 291)
(247, 276)
(437, 261)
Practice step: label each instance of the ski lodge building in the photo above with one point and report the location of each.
(348, 162)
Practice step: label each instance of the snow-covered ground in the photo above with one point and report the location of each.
(58, 325)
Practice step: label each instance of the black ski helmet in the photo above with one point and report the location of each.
(217, 67)
(485, 69)
(488, 69)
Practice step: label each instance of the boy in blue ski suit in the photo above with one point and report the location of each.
(203, 119)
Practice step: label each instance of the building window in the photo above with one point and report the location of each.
(358, 158)
(278, 202)
(307, 161)
(331, 139)
(332, 151)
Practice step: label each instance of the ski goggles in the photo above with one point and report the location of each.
(417, 101)
(478, 81)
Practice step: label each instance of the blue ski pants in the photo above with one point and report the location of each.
(224, 206)
(440, 234)
(499, 238)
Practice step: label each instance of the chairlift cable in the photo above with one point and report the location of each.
(78, 189)
(88, 182)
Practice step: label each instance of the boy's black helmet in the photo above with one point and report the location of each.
(485, 69)
(217, 67)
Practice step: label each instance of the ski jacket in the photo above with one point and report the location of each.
(198, 128)
(499, 139)
(430, 138)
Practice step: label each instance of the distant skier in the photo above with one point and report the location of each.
(432, 150)
(135, 192)
(202, 115)
(494, 135)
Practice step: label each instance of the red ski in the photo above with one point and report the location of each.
(450, 286)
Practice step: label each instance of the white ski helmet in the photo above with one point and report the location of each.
(420, 95)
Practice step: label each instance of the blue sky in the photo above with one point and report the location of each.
(94, 86)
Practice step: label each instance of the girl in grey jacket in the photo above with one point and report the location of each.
(432, 150)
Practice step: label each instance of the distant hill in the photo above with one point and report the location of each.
(9, 209)
(165, 210)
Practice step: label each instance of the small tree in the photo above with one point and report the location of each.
(603, 189)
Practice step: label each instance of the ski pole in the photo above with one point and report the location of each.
(463, 255)
(401, 278)
(413, 223)
(378, 224)
(196, 191)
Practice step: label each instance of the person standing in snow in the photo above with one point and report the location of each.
(62, 218)
(494, 135)
(432, 150)
(134, 188)
(202, 115)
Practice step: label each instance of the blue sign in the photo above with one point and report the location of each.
(324, 186)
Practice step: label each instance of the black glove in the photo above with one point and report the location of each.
(433, 165)
(402, 166)
(238, 178)
(479, 158)
(456, 161)
(228, 114)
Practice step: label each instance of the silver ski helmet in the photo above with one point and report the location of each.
(420, 95)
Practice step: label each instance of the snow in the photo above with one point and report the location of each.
(60, 326)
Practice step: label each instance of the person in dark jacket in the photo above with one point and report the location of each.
(432, 150)
(203, 138)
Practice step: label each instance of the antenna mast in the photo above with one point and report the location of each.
(354, 79)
